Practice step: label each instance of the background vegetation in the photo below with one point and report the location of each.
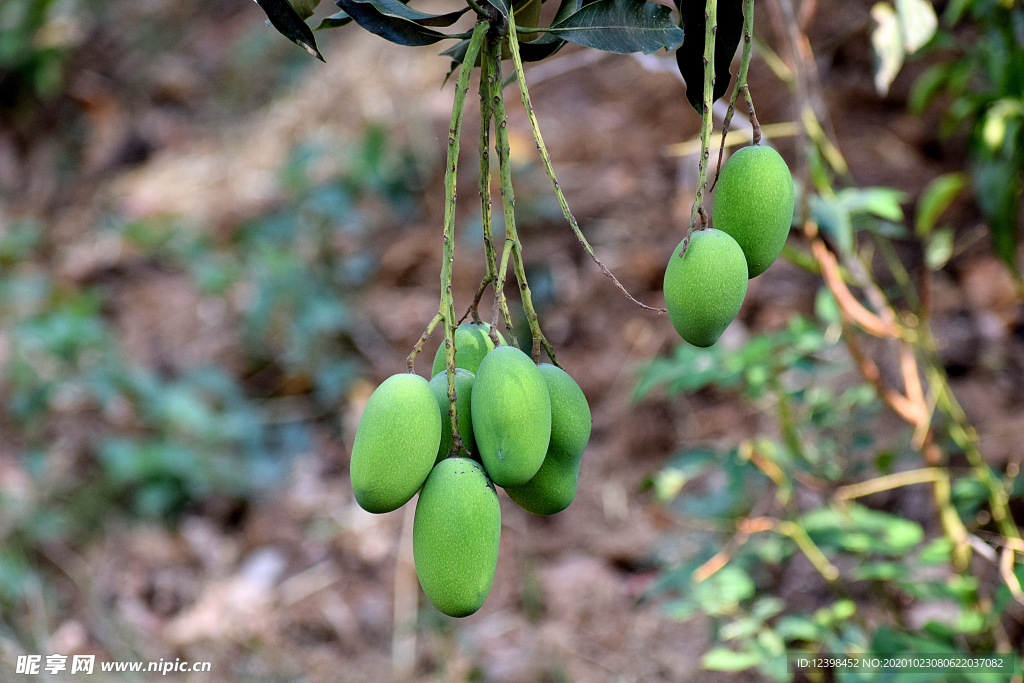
(213, 247)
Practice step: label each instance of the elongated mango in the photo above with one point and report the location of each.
(463, 392)
(455, 536)
(472, 343)
(704, 288)
(511, 416)
(754, 202)
(553, 488)
(396, 443)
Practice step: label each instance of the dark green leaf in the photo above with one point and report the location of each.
(334, 21)
(502, 6)
(690, 55)
(385, 19)
(400, 10)
(621, 26)
(289, 24)
(997, 187)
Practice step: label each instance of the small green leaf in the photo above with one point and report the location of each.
(927, 87)
(724, 659)
(289, 24)
(939, 248)
(690, 55)
(917, 23)
(334, 21)
(935, 199)
(887, 45)
(304, 8)
(621, 26)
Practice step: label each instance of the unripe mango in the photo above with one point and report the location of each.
(455, 536)
(704, 288)
(472, 343)
(511, 416)
(396, 443)
(553, 488)
(463, 392)
(754, 202)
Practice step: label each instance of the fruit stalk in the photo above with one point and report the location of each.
(447, 307)
(546, 158)
(741, 85)
(512, 241)
(411, 359)
(711, 22)
(486, 114)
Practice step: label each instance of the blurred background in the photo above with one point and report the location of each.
(214, 247)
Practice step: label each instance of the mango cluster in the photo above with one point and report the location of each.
(526, 427)
(705, 285)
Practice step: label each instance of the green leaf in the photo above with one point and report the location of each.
(502, 6)
(724, 659)
(917, 23)
(289, 24)
(621, 26)
(834, 220)
(887, 46)
(935, 199)
(939, 248)
(690, 55)
(723, 591)
(334, 21)
(927, 87)
(304, 8)
(883, 202)
(400, 10)
(385, 19)
(996, 177)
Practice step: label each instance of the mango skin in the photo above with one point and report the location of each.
(396, 443)
(553, 488)
(455, 536)
(463, 392)
(705, 288)
(754, 203)
(472, 343)
(511, 416)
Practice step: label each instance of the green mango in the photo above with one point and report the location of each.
(463, 391)
(455, 536)
(553, 488)
(704, 289)
(754, 202)
(472, 343)
(511, 416)
(396, 443)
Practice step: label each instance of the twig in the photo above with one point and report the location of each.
(508, 204)
(410, 361)
(447, 307)
(891, 481)
(741, 84)
(706, 121)
(546, 158)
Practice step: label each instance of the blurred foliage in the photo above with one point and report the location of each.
(826, 437)
(102, 436)
(35, 37)
(979, 75)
